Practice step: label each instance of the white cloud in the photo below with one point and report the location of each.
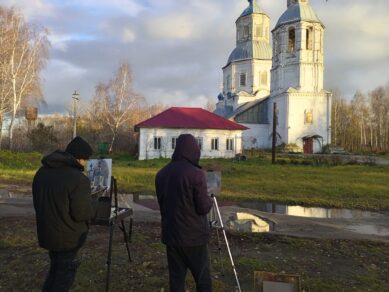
(178, 98)
(32, 9)
(128, 35)
(61, 41)
(58, 67)
(129, 7)
(177, 48)
(173, 26)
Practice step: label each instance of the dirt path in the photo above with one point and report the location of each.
(324, 265)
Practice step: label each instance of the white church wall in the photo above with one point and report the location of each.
(147, 135)
(243, 67)
(257, 136)
(282, 113)
(259, 68)
(299, 127)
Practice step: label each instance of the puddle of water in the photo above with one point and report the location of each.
(309, 212)
(246, 222)
(369, 229)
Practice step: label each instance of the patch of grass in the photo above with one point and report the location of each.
(340, 186)
(255, 264)
(19, 160)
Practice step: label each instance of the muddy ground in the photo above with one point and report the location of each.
(324, 265)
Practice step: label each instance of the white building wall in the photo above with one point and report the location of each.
(320, 106)
(282, 113)
(257, 136)
(147, 151)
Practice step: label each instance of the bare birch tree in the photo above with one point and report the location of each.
(116, 103)
(23, 58)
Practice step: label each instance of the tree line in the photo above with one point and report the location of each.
(109, 116)
(362, 124)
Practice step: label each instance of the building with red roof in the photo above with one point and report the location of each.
(217, 136)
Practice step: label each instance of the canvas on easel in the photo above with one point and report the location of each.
(99, 172)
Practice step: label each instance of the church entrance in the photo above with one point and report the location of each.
(308, 145)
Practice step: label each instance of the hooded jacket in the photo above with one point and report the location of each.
(62, 202)
(182, 196)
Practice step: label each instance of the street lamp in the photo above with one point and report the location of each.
(76, 98)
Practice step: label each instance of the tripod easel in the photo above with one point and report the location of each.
(112, 216)
(216, 211)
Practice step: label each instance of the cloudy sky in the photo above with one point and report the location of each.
(176, 48)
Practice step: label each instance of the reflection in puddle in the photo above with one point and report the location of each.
(6, 194)
(246, 222)
(309, 212)
(369, 229)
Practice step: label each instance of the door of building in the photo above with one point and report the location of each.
(308, 145)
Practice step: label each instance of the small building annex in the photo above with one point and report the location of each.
(217, 137)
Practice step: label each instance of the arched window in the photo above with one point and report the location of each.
(263, 76)
(246, 31)
(308, 38)
(259, 31)
(242, 79)
(292, 40)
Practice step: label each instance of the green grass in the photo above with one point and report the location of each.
(342, 186)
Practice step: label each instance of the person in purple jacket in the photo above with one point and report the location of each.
(184, 204)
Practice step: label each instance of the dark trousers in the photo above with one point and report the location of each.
(63, 268)
(195, 258)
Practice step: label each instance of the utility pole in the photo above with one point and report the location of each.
(274, 140)
(76, 98)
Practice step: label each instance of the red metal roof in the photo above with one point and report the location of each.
(190, 118)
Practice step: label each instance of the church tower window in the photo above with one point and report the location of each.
(308, 38)
(259, 31)
(292, 40)
(246, 31)
(263, 78)
(242, 79)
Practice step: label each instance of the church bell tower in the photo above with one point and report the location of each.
(297, 77)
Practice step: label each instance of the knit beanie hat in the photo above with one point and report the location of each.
(79, 148)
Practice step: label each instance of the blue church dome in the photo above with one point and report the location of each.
(251, 50)
(253, 8)
(298, 12)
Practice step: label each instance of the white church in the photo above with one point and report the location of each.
(290, 74)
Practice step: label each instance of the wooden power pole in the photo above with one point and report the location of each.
(274, 138)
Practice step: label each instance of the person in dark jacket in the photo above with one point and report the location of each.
(63, 206)
(184, 204)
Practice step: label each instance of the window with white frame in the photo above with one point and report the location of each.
(157, 143)
(174, 142)
(229, 144)
(215, 144)
(242, 79)
(200, 142)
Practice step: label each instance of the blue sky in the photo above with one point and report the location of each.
(177, 48)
